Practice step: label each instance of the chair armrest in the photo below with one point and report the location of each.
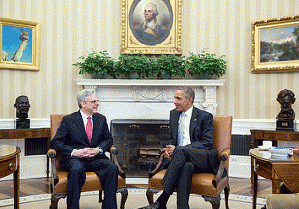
(157, 168)
(52, 155)
(113, 156)
(223, 157)
(113, 150)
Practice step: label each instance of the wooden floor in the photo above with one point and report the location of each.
(238, 186)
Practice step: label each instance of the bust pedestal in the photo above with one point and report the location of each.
(285, 125)
(22, 123)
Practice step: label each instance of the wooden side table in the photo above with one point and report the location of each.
(10, 163)
(27, 133)
(277, 169)
(270, 135)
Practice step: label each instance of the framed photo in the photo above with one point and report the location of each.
(151, 26)
(275, 45)
(19, 44)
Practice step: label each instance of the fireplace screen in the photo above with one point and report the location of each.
(138, 143)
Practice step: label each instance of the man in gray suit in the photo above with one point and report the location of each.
(191, 150)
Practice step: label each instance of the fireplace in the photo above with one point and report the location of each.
(139, 143)
(138, 113)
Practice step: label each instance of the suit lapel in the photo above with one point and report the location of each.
(176, 117)
(193, 121)
(95, 129)
(80, 125)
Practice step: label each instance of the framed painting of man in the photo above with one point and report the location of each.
(20, 44)
(275, 45)
(151, 26)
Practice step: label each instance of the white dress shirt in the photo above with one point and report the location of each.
(184, 128)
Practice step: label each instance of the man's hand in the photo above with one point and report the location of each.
(86, 152)
(168, 151)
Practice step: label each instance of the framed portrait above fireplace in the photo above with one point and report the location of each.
(151, 26)
(275, 45)
(20, 44)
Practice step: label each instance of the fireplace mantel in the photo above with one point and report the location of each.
(93, 83)
(153, 91)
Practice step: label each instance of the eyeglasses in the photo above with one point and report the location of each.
(93, 102)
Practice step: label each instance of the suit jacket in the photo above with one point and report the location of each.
(201, 136)
(71, 135)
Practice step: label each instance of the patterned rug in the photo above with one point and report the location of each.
(136, 199)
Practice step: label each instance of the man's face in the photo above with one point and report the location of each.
(148, 13)
(90, 105)
(181, 101)
(22, 105)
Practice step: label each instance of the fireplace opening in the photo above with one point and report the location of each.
(139, 142)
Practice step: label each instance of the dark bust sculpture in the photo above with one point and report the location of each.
(286, 116)
(22, 107)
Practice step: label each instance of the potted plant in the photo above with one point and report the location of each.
(206, 65)
(133, 65)
(100, 64)
(170, 65)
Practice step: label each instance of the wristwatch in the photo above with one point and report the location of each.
(101, 150)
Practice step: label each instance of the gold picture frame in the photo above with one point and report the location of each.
(163, 38)
(19, 44)
(274, 45)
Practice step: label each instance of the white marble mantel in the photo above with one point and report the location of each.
(119, 91)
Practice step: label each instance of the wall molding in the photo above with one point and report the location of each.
(240, 126)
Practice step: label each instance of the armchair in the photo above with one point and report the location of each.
(92, 183)
(206, 184)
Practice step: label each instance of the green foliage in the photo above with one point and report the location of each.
(96, 63)
(134, 63)
(170, 64)
(206, 63)
(145, 66)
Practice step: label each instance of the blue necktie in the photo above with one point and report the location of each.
(181, 129)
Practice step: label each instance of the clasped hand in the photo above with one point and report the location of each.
(168, 151)
(86, 152)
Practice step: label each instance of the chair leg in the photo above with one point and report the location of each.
(226, 194)
(100, 195)
(54, 200)
(150, 194)
(124, 196)
(215, 201)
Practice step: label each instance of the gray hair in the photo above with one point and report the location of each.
(83, 94)
(189, 92)
(154, 7)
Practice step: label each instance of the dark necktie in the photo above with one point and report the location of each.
(89, 129)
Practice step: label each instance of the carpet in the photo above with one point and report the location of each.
(136, 199)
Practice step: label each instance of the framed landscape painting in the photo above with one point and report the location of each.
(20, 44)
(151, 26)
(275, 45)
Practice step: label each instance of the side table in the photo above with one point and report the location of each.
(278, 169)
(10, 163)
(270, 135)
(27, 133)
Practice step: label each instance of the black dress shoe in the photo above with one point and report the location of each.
(154, 205)
(264, 207)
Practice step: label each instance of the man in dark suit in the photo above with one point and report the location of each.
(191, 151)
(83, 138)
